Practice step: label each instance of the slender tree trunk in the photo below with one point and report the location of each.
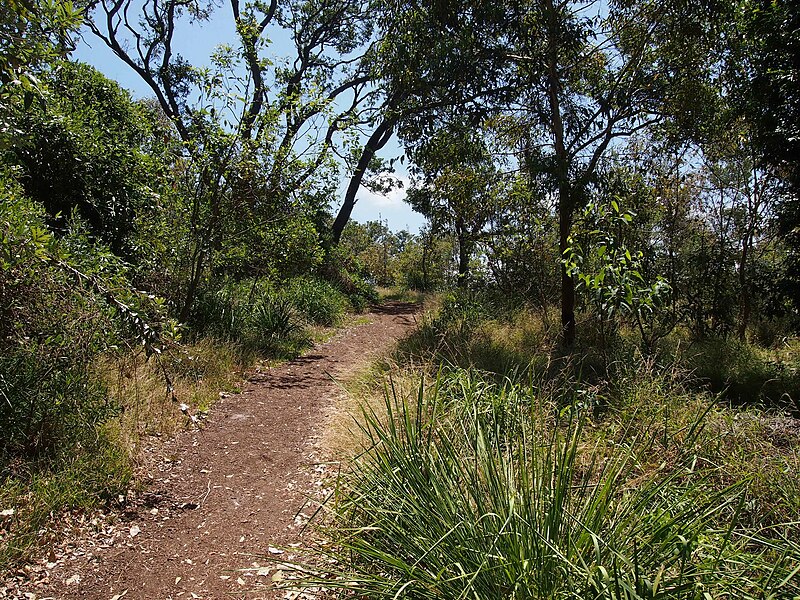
(377, 140)
(567, 282)
(198, 264)
(565, 196)
(744, 287)
(463, 257)
(425, 285)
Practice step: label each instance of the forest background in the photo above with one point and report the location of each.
(610, 188)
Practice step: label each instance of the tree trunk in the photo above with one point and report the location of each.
(463, 257)
(198, 263)
(377, 140)
(744, 314)
(567, 282)
(565, 199)
(744, 287)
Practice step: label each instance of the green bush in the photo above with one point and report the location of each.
(255, 315)
(63, 302)
(47, 403)
(47, 397)
(745, 374)
(343, 271)
(319, 301)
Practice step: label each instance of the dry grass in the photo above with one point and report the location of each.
(150, 392)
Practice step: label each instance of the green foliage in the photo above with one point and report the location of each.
(345, 273)
(483, 331)
(459, 313)
(765, 78)
(60, 308)
(46, 396)
(63, 302)
(608, 273)
(254, 315)
(80, 150)
(266, 317)
(458, 186)
(374, 251)
(522, 253)
(319, 301)
(474, 489)
(743, 373)
(273, 326)
(32, 33)
(426, 263)
(216, 195)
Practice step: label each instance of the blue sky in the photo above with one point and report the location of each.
(195, 43)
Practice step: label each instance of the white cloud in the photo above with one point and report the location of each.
(390, 208)
(394, 199)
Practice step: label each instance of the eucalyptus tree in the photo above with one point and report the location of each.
(458, 186)
(590, 76)
(262, 132)
(576, 75)
(766, 91)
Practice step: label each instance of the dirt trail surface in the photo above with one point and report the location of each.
(230, 493)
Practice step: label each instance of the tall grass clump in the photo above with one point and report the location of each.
(268, 318)
(744, 373)
(255, 315)
(319, 301)
(475, 489)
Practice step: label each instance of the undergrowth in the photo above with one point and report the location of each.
(500, 465)
(275, 321)
(473, 488)
(96, 463)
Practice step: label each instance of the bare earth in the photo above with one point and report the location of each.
(224, 497)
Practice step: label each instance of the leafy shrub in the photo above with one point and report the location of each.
(318, 300)
(47, 402)
(343, 272)
(46, 395)
(214, 313)
(63, 302)
(81, 153)
(460, 313)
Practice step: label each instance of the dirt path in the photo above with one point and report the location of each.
(230, 493)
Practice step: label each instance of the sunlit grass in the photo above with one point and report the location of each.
(497, 464)
(476, 489)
